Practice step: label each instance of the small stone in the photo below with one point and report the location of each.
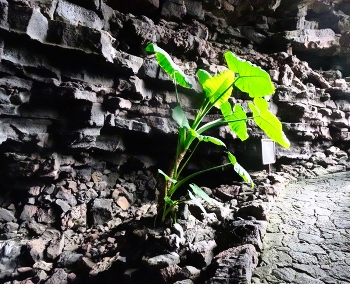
(164, 260)
(75, 218)
(28, 212)
(190, 272)
(47, 216)
(63, 205)
(111, 240)
(69, 259)
(58, 277)
(41, 275)
(101, 211)
(123, 203)
(97, 177)
(55, 248)
(10, 227)
(46, 266)
(34, 191)
(6, 215)
(24, 269)
(169, 273)
(36, 227)
(257, 209)
(177, 229)
(201, 253)
(36, 249)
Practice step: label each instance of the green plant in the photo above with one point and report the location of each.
(217, 90)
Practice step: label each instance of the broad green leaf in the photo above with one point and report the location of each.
(239, 169)
(167, 177)
(203, 76)
(268, 122)
(205, 138)
(180, 117)
(169, 66)
(196, 201)
(199, 192)
(218, 88)
(251, 78)
(239, 126)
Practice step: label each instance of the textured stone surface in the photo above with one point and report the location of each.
(85, 122)
(308, 246)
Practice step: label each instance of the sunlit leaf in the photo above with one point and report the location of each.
(196, 201)
(180, 117)
(199, 192)
(239, 169)
(169, 66)
(203, 76)
(251, 78)
(268, 122)
(236, 120)
(167, 177)
(219, 88)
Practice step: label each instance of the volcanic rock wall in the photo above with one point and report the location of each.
(85, 112)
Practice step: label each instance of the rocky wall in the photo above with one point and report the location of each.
(85, 120)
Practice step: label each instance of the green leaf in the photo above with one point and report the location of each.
(203, 76)
(268, 122)
(167, 177)
(218, 88)
(239, 169)
(180, 117)
(205, 138)
(211, 139)
(182, 136)
(240, 125)
(168, 200)
(169, 66)
(251, 78)
(196, 201)
(199, 192)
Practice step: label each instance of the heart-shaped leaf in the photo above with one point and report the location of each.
(203, 76)
(251, 78)
(180, 117)
(218, 88)
(169, 66)
(237, 120)
(268, 122)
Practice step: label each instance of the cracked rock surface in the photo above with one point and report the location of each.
(307, 239)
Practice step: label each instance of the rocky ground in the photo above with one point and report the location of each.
(307, 239)
(110, 240)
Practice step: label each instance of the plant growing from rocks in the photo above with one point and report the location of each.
(217, 90)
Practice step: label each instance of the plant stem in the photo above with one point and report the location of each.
(189, 157)
(181, 182)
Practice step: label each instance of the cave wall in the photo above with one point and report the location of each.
(85, 113)
(76, 81)
(78, 93)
